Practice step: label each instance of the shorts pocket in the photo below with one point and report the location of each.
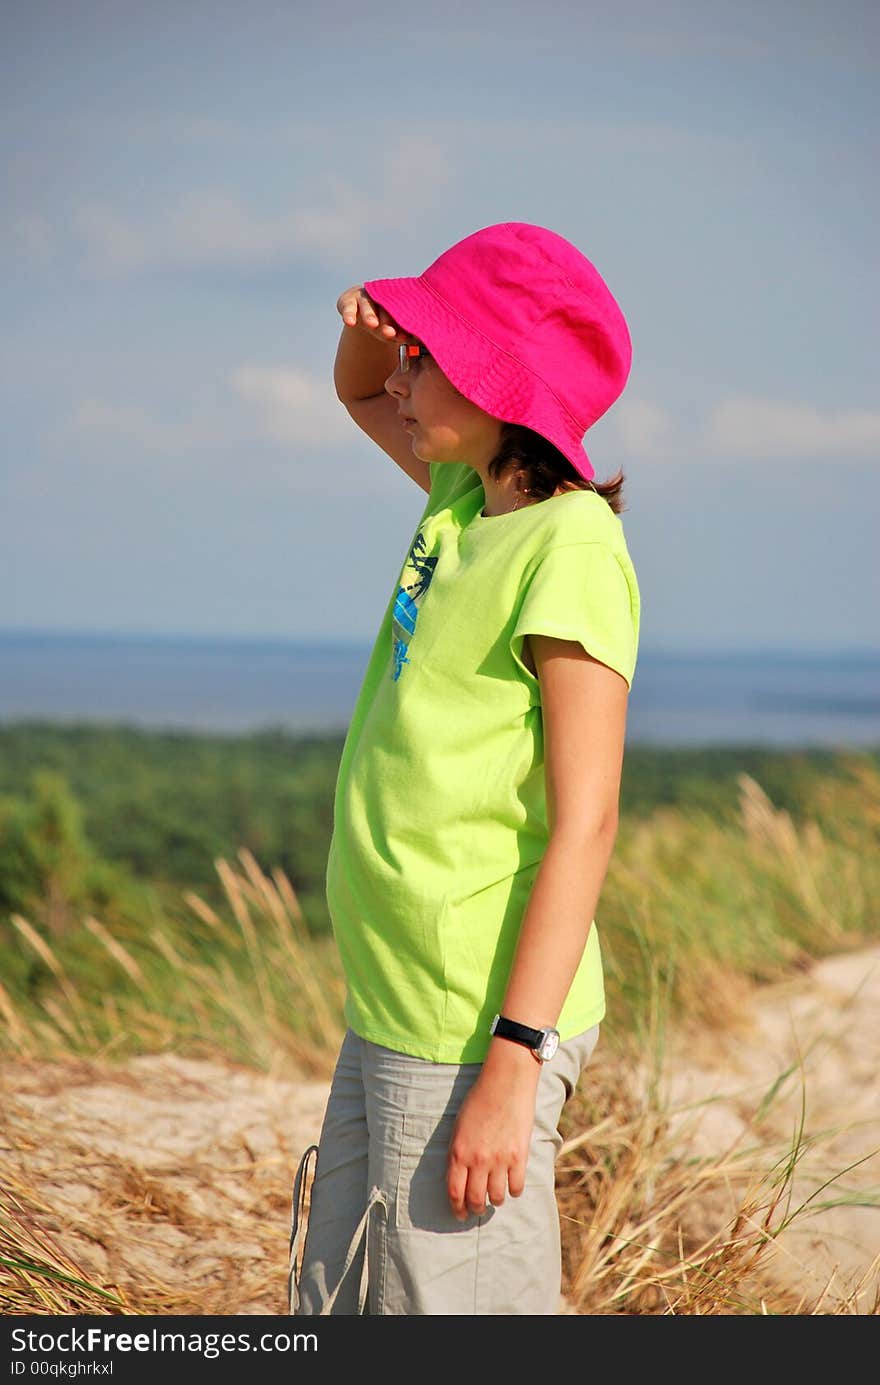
(422, 1202)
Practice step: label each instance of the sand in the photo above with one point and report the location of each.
(170, 1178)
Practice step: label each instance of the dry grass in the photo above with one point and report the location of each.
(37, 1275)
(254, 984)
(647, 1227)
(715, 906)
(639, 1255)
(150, 1187)
(277, 1006)
(88, 1228)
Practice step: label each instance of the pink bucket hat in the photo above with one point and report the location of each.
(524, 326)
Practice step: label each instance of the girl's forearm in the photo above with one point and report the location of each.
(495, 1121)
(554, 932)
(362, 365)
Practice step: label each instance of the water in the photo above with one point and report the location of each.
(232, 686)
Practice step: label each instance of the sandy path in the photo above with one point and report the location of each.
(171, 1177)
(811, 1053)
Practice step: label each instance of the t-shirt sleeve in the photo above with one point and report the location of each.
(583, 592)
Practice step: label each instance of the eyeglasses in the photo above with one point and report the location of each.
(411, 351)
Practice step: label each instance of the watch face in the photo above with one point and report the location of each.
(549, 1045)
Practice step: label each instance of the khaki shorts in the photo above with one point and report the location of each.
(382, 1237)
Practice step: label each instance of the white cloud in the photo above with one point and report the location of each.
(752, 427)
(293, 407)
(327, 222)
(643, 429)
(747, 427)
(128, 427)
(417, 173)
(213, 226)
(329, 215)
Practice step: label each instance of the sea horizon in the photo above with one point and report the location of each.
(789, 696)
(27, 632)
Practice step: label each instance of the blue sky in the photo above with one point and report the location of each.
(189, 187)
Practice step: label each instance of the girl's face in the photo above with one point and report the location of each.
(447, 427)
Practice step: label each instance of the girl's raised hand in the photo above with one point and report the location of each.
(358, 310)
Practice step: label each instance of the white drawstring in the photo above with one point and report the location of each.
(296, 1231)
(362, 1230)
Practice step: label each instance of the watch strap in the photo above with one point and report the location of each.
(520, 1033)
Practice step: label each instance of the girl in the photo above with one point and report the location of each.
(477, 796)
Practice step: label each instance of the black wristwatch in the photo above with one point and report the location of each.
(542, 1042)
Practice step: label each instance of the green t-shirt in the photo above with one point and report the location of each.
(440, 815)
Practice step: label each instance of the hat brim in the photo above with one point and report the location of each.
(489, 377)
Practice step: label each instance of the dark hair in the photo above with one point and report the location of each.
(544, 468)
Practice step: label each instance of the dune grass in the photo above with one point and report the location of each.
(250, 983)
(694, 910)
(705, 905)
(651, 1227)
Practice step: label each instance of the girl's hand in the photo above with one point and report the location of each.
(358, 310)
(489, 1148)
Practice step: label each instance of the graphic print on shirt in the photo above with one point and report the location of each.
(414, 582)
